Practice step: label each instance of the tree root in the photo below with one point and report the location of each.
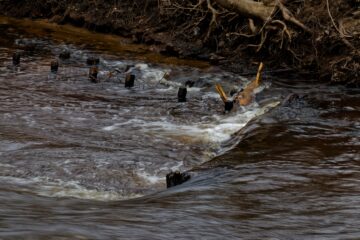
(251, 8)
(213, 22)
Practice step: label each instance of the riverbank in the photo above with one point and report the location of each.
(326, 47)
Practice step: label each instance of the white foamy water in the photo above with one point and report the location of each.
(144, 132)
(59, 189)
(147, 177)
(218, 131)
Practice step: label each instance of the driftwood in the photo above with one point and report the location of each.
(245, 96)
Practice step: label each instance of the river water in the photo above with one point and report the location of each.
(80, 160)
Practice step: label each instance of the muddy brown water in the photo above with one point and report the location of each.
(80, 160)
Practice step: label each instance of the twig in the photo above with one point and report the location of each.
(342, 35)
(213, 18)
(332, 19)
(285, 30)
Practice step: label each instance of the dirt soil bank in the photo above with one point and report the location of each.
(321, 37)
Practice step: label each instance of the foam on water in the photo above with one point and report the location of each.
(152, 179)
(208, 130)
(218, 131)
(59, 189)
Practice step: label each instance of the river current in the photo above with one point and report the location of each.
(83, 160)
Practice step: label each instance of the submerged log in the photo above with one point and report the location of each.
(176, 178)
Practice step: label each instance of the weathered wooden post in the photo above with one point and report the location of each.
(54, 66)
(182, 94)
(93, 72)
(129, 80)
(229, 106)
(176, 178)
(16, 58)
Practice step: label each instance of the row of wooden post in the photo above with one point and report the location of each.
(243, 98)
(93, 72)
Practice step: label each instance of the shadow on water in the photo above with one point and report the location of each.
(87, 161)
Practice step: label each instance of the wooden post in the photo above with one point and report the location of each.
(16, 58)
(129, 80)
(182, 94)
(176, 178)
(54, 66)
(229, 106)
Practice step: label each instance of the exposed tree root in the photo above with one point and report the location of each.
(263, 12)
(267, 27)
(316, 36)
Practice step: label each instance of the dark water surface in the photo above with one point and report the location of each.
(80, 160)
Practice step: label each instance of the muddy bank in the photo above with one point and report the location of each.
(324, 44)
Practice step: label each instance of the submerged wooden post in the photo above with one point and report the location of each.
(16, 58)
(182, 94)
(229, 106)
(54, 66)
(93, 72)
(129, 80)
(176, 178)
